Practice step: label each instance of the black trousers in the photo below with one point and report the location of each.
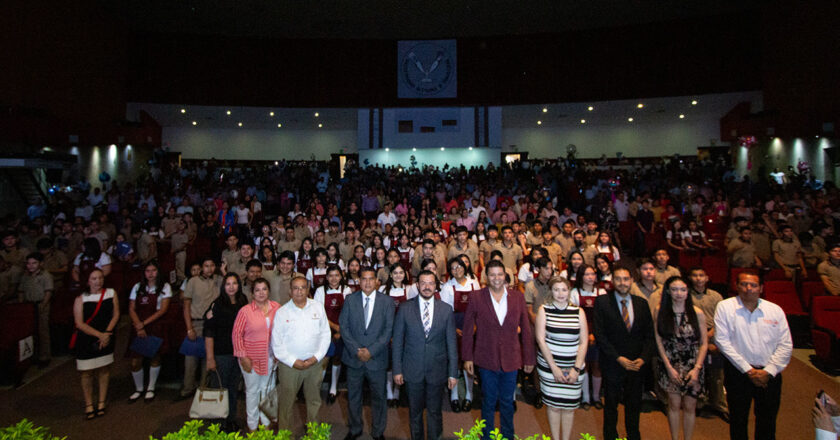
(428, 397)
(740, 394)
(623, 386)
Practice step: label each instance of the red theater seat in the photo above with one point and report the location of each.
(783, 294)
(826, 327)
(810, 290)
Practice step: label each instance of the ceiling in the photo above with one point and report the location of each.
(391, 19)
(654, 110)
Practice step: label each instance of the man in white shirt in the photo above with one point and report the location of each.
(386, 217)
(753, 335)
(299, 340)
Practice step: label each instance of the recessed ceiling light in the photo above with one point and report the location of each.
(228, 112)
(590, 108)
(441, 148)
(271, 114)
(470, 148)
(239, 124)
(694, 102)
(317, 114)
(629, 119)
(387, 149)
(279, 125)
(583, 121)
(413, 149)
(183, 110)
(545, 110)
(682, 116)
(276, 163)
(640, 105)
(195, 123)
(539, 122)
(320, 125)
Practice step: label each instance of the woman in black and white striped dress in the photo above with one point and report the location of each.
(562, 335)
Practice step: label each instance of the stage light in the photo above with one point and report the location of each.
(317, 114)
(545, 110)
(441, 148)
(228, 112)
(387, 149)
(583, 121)
(279, 125)
(183, 110)
(694, 102)
(640, 105)
(320, 125)
(539, 122)
(276, 163)
(194, 122)
(239, 124)
(271, 114)
(682, 116)
(470, 148)
(413, 149)
(590, 108)
(629, 119)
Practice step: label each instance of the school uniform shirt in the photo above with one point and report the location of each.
(759, 338)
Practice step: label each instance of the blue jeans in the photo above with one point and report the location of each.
(497, 386)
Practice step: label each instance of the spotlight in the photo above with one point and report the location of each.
(583, 121)
(276, 163)
(183, 110)
(629, 119)
(271, 114)
(387, 149)
(590, 108)
(682, 116)
(239, 124)
(413, 149)
(545, 110)
(694, 102)
(470, 148)
(279, 125)
(228, 112)
(441, 148)
(640, 105)
(316, 114)
(539, 122)
(320, 125)
(195, 123)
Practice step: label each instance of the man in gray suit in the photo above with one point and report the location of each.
(425, 355)
(366, 322)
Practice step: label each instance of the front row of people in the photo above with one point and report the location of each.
(417, 341)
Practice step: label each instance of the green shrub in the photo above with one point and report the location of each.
(26, 430)
(476, 430)
(192, 431)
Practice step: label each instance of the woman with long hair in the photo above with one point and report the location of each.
(681, 341)
(268, 257)
(332, 295)
(396, 289)
(89, 259)
(251, 344)
(352, 276)
(148, 302)
(219, 320)
(605, 268)
(359, 254)
(562, 335)
(457, 292)
(576, 260)
(334, 256)
(304, 256)
(583, 295)
(604, 246)
(95, 313)
(317, 274)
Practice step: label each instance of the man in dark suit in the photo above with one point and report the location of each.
(425, 355)
(624, 331)
(366, 322)
(497, 338)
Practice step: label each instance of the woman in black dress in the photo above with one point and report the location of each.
(96, 313)
(218, 328)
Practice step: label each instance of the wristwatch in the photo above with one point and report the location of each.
(579, 370)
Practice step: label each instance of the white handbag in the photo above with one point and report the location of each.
(270, 402)
(210, 403)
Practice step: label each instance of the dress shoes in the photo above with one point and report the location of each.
(455, 405)
(466, 406)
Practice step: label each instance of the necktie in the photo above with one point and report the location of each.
(427, 319)
(367, 304)
(625, 314)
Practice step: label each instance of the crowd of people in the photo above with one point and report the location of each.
(550, 276)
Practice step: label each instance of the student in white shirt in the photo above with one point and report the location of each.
(753, 335)
(397, 289)
(332, 295)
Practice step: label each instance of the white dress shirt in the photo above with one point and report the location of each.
(757, 338)
(300, 333)
(629, 304)
(372, 300)
(825, 435)
(500, 307)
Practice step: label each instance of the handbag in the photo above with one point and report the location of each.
(75, 335)
(210, 403)
(146, 347)
(270, 403)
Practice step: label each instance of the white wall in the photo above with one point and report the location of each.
(781, 153)
(632, 139)
(245, 144)
(462, 135)
(454, 157)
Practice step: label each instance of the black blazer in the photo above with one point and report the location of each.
(611, 335)
(418, 358)
(375, 338)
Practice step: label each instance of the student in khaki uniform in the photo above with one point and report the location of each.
(487, 246)
(36, 287)
(281, 277)
(198, 295)
(180, 239)
(663, 270)
(787, 252)
(55, 262)
(14, 257)
(232, 251)
(348, 244)
(829, 270)
(554, 251)
(463, 245)
(147, 245)
(741, 250)
(511, 252)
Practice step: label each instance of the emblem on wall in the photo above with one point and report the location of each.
(427, 69)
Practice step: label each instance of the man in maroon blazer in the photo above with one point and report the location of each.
(497, 339)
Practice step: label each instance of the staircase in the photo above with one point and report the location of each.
(24, 183)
